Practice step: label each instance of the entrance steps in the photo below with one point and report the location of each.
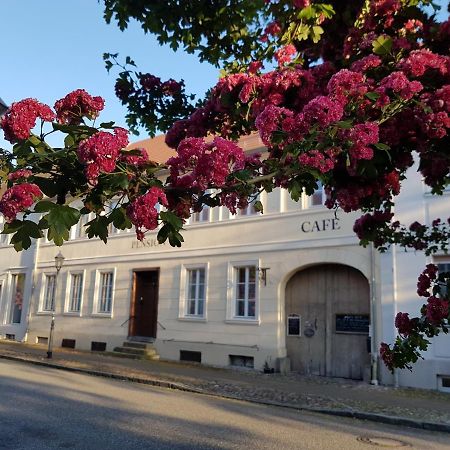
(137, 350)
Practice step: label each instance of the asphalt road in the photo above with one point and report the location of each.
(42, 408)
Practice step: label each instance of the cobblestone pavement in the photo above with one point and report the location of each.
(293, 390)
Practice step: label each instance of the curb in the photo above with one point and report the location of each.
(373, 417)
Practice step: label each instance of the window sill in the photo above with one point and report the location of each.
(72, 313)
(45, 313)
(192, 319)
(243, 321)
(102, 315)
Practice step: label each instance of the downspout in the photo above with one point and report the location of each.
(394, 295)
(33, 287)
(373, 321)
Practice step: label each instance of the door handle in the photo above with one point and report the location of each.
(141, 300)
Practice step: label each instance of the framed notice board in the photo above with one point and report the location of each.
(352, 323)
(293, 325)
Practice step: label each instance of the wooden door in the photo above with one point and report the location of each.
(323, 296)
(144, 306)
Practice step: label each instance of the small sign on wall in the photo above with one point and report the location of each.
(293, 325)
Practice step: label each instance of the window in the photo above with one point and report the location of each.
(249, 210)
(4, 238)
(318, 197)
(245, 292)
(104, 301)
(75, 292)
(48, 303)
(202, 216)
(79, 230)
(18, 286)
(443, 267)
(195, 300)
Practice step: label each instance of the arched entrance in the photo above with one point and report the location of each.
(327, 321)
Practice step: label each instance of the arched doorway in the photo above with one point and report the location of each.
(327, 315)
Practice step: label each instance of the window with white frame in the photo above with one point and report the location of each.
(245, 292)
(4, 238)
(75, 292)
(318, 197)
(48, 301)
(105, 292)
(443, 267)
(18, 287)
(201, 216)
(195, 291)
(249, 210)
(79, 230)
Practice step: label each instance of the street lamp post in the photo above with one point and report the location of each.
(59, 261)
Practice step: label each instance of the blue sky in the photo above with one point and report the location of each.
(52, 47)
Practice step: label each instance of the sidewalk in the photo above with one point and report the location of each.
(411, 407)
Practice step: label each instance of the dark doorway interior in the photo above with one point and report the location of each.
(144, 304)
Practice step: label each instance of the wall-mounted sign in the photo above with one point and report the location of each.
(311, 226)
(352, 323)
(293, 325)
(309, 332)
(146, 243)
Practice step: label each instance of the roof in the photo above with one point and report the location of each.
(158, 150)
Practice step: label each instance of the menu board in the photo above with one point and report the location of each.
(352, 323)
(293, 325)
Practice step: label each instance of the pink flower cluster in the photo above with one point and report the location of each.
(285, 54)
(418, 62)
(18, 198)
(143, 213)
(387, 355)
(426, 279)
(322, 161)
(404, 324)
(18, 174)
(135, 160)
(100, 152)
(437, 310)
(200, 164)
(21, 117)
(78, 104)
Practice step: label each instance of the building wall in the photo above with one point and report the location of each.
(287, 238)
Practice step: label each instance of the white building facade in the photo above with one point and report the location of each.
(288, 289)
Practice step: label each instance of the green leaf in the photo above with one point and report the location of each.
(382, 146)
(374, 96)
(382, 45)
(258, 206)
(44, 206)
(24, 232)
(98, 227)
(169, 217)
(346, 124)
(60, 219)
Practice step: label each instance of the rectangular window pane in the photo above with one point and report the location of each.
(240, 308)
(105, 297)
(17, 297)
(195, 291)
(245, 294)
(75, 292)
(49, 293)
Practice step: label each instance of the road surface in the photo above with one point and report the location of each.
(43, 408)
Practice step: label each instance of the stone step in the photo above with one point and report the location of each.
(136, 351)
(142, 345)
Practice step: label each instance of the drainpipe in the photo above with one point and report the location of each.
(373, 321)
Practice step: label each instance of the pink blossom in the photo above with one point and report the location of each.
(284, 54)
(387, 355)
(18, 198)
(21, 118)
(100, 152)
(436, 310)
(420, 61)
(135, 160)
(269, 121)
(404, 324)
(76, 105)
(399, 84)
(366, 63)
(21, 173)
(322, 111)
(143, 212)
(300, 4)
(273, 28)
